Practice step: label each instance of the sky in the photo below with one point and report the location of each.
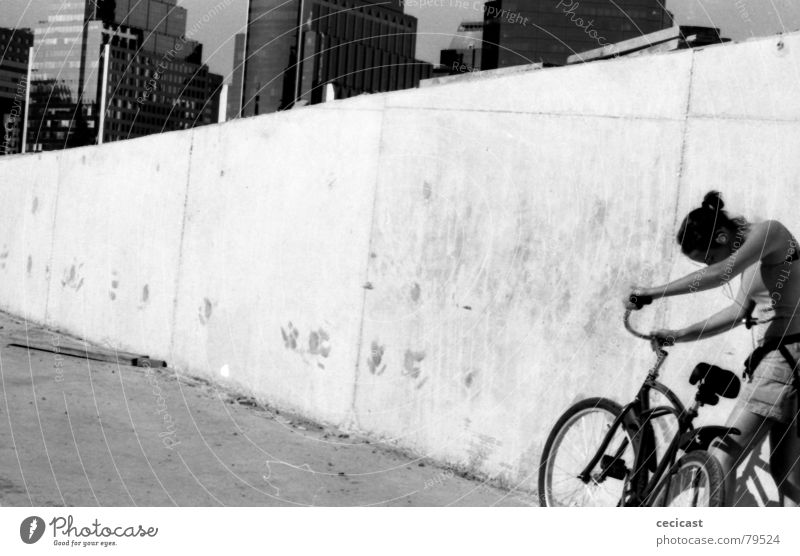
(439, 19)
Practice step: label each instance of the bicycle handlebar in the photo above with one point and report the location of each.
(633, 331)
(655, 341)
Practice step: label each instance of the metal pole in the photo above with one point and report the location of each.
(103, 93)
(244, 58)
(222, 113)
(299, 53)
(27, 102)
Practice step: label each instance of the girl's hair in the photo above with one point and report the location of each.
(698, 228)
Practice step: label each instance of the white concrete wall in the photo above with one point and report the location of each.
(117, 240)
(29, 188)
(274, 256)
(441, 268)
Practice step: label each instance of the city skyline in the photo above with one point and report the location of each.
(352, 46)
(738, 20)
(114, 70)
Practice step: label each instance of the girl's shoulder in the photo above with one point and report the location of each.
(766, 223)
(771, 229)
(777, 241)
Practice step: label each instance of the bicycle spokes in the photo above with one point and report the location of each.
(570, 482)
(697, 482)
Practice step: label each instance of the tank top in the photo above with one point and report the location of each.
(775, 288)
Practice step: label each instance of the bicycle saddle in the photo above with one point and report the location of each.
(714, 382)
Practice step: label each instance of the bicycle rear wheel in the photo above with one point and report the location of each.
(573, 442)
(697, 481)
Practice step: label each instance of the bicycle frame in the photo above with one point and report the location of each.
(646, 457)
(637, 416)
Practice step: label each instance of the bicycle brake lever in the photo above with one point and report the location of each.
(658, 346)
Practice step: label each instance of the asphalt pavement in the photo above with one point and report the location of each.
(81, 432)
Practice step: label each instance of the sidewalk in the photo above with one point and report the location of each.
(77, 432)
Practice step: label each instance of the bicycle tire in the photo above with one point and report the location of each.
(608, 492)
(697, 481)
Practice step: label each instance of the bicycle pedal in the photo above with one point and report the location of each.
(614, 467)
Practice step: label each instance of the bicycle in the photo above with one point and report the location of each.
(600, 453)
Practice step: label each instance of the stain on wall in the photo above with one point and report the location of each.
(481, 448)
(411, 363)
(112, 293)
(145, 297)
(205, 311)
(376, 358)
(469, 378)
(72, 278)
(319, 344)
(290, 335)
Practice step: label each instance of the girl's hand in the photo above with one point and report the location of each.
(665, 336)
(636, 298)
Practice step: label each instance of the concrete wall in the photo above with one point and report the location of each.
(441, 268)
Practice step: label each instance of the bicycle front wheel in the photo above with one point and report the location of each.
(697, 481)
(573, 442)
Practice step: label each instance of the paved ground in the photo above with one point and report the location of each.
(75, 432)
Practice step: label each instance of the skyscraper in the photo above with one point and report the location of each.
(465, 50)
(235, 91)
(14, 46)
(356, 46)
(548, 31)
(155, 77)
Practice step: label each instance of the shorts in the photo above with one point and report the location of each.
(772, 393)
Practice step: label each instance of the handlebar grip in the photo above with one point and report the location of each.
(640, 301)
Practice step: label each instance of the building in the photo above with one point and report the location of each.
(350, 46)
(548, 31)
(674, 38)
(155, 78)
(14, 47)
(466, 49)
(235, 91)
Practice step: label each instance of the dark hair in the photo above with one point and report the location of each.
(697, 230)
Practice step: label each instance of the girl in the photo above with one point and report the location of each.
(765, 255)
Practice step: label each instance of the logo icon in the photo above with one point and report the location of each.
(31, 529)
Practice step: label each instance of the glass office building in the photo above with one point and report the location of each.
(156, 81)
(545, 31)
(14, 47)
(351, 46)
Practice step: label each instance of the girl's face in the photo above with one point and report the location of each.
(713, 255)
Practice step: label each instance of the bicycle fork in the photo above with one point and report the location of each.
(613, 465)
(610, 465)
